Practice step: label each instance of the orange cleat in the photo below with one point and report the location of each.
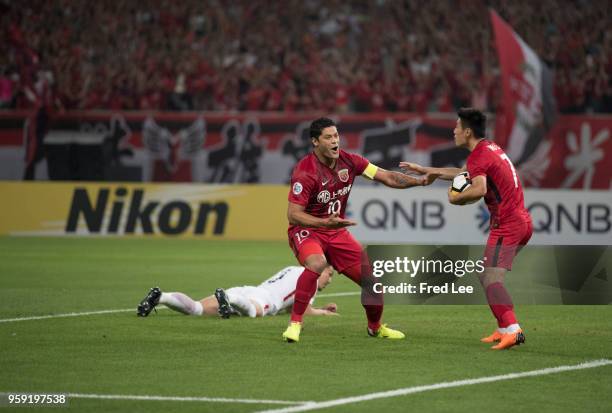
(510, 340)
(496, 336)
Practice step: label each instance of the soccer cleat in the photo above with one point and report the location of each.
(149, 302)
(292, 333)
(386, 332)
(225, 309)
(509, 340)
(496, 336)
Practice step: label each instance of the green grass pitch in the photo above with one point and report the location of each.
(168, 354)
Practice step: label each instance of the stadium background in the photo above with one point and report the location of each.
(202, 108)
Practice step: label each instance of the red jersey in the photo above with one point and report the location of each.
(504, 196)
(322, 190)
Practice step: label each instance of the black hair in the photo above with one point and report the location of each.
(473, 119)
(317, 126)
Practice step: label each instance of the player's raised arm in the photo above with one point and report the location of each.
(395, 179)
(472, 194)
(443, 173)
(298, 216)
(399, 180)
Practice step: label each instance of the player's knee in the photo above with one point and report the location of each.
(316, 263)
(491, 275)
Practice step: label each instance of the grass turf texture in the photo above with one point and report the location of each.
(168, 354)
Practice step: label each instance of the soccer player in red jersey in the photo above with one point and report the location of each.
(320, 186)
(493, 177)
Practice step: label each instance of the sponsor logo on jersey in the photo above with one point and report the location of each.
(324, 182)
(324, 197)
(297, 188)
(341, 192)
(343, 174)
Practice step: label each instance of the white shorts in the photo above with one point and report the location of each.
(259, 295)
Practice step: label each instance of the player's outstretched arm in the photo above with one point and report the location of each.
(443, 173)
(329, 309)
(472, 194)
(399, 180)
(297, 216)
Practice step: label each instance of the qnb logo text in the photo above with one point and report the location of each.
(584, 217)
(384, 215)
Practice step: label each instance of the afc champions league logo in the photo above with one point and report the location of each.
(343, 174)
(323, 197)
(297, 188)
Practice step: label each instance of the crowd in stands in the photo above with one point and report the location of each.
(293, 55)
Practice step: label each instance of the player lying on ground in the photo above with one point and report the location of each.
(321, 183)
(272, 296)
(493, 177)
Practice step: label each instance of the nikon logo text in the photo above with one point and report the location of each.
(127, 212)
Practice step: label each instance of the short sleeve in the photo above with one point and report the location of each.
(477, 165)
(360, 163)
(302, 185)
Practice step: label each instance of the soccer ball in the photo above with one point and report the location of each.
(461, 182)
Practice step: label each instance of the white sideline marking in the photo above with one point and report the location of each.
(339, 294)
(42, 317)
(438, 386)
(182, 399)
(125, 310)
(168, 398)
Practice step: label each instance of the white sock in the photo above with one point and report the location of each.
(242, 304)
(502, 330)
(181, 303)
(513, 328)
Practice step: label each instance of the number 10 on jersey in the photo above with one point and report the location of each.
(334, 207)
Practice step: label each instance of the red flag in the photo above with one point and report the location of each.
(528, 109)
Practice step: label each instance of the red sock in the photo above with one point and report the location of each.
(501, 304)
(373, 311)
(374, 314)
(304, 291)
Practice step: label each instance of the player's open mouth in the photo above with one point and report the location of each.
(334, 149)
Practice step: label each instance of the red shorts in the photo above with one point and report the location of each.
(339, 247)
(506, 241)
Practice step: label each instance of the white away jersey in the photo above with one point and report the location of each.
(281, 289)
